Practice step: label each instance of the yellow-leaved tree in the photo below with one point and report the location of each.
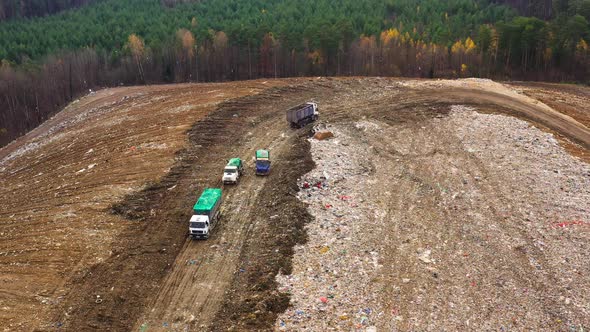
(469, 45)
(185, 52)
(582, 52)
(137, 48)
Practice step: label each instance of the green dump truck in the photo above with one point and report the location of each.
(206, 214)
(233, 170)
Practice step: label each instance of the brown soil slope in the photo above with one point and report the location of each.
(59, 182)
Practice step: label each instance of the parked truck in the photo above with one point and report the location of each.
(303, 114)
(262, 162)
(232, 171)
(206, 214)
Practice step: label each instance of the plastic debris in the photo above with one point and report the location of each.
(571, 223)
(424, 256)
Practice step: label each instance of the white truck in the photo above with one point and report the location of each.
(206, 213)
(232, 171)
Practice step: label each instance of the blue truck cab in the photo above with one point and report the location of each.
(262, 162)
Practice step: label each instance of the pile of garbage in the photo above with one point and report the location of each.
(331, 286)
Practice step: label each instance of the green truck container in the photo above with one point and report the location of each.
(206, 213)
(232, 171)
(262, 154)
(237, 162)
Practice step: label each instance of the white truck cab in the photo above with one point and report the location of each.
(230, 174)
(316, 113)
(199, 226)
(232, 171)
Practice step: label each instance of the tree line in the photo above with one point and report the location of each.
(11, 9)
(220, 40)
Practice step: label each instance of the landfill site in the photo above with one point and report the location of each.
(408, 205)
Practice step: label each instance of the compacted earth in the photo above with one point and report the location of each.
(436, 205)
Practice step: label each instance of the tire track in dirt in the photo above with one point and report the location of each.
(192, 293)
(191, 296)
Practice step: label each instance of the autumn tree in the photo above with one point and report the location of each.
(582, 57)
(137, 48)
(389, 45)
(269, 49)
(186, 52)
(220, 43)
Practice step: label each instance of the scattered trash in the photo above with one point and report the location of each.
(329, 190)
(571, 223)
(344, 248)
(364, 319)
(424, 256)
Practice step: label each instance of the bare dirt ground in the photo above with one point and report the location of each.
(459, 217)
(59, 182)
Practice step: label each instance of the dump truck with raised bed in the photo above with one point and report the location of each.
(206, 214)
(303, 114)
(262, 162)
(232, 171)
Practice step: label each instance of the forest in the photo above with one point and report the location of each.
(49, 60)
(10, 9)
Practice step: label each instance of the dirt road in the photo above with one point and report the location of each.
(109, 182)
(192, 293)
